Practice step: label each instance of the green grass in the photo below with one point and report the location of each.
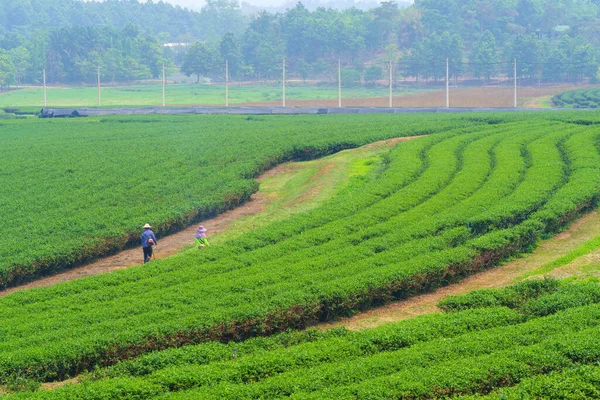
(198, 94)
(546, 102)
(579, 251)
(306, 185)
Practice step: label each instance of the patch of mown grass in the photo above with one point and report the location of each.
(306, 185)
(577, 252)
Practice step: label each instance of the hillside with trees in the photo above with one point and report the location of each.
(553, 40)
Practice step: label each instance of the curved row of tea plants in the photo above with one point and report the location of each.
(575, 382)
(73, 190)
(536, 331)
(581, 98)
(446, 206)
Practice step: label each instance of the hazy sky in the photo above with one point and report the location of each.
(197, 4)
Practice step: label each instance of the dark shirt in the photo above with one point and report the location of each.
(148, 234)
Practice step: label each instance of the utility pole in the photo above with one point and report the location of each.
(447, 83)
(283, 80)
(163, 85)
(391, 84)
(339, 83)
(44, 87)
(226, 83)
(515, 79)
(98, 86)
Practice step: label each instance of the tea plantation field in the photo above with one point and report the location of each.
(538, 339)
(73, 190)
(582, 98)
(478, 189)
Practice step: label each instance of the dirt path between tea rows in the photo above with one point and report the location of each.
(582, 230)
(167, 246)
(170, 245)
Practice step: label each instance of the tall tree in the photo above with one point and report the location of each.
(297, 27)
(584, 59)
(7, 70)
(557, 58)
(484, 57)
(440, 15)
(436, 50)
(348, 35)
(218, 17)
(199, 61)
(411, 28)
(529, 13)
(526, 50)
(151, 54)
(385, 22)
(20, 59)
(263, 45)
(55, 54)
(37, 51)
(229, 50)
(373, 73)
(415, 61)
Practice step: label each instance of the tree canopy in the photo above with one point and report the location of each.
(127, 39)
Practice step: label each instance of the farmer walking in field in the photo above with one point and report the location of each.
(200, 237)
(148, 240)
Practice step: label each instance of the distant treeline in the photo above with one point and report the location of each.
(553, 40)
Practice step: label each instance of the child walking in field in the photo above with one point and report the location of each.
(200, 237)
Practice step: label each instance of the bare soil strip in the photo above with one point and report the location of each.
(485, 96)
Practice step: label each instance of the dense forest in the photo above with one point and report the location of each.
(553, 40)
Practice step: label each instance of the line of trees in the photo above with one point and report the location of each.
(552, 39)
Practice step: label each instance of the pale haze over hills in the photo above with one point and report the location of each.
(197, 4)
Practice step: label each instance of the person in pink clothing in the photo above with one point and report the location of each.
(200, 237)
